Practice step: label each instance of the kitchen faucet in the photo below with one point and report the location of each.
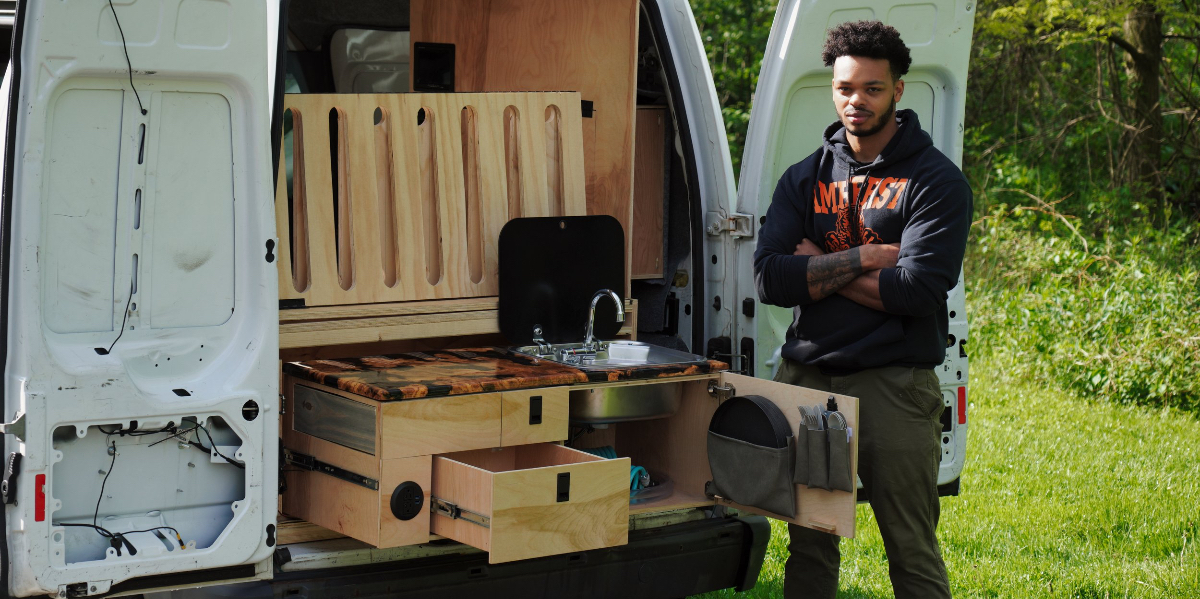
(589, 340)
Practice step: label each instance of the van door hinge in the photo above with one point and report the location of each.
(15, 428)
(311, 464)
(735, 224)
(442, 507)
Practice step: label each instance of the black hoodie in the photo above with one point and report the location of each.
(913, 195)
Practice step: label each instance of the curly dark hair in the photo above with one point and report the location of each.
(868, 39)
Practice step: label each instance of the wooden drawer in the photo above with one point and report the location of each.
(322, 420)
(531, 501)
(533, 416)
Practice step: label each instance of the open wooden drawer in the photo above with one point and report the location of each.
(530, 500)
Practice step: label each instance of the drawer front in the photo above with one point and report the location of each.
(440, 425)
(334, 418)
(534, 416)
(549, 500)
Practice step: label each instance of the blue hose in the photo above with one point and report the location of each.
(636, 473)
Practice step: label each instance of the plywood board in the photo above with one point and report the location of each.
(543, 45)
(528, 521)
(517, 488)
(385, 209)
(333, 504)
(516, 428)
(649, 201)
(440, 425)
(394, 532)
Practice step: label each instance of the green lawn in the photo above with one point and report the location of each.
(1061, 497)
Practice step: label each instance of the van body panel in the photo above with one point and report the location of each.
(143, 305)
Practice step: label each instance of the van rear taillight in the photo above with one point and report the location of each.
(962, 405)
(39, 498)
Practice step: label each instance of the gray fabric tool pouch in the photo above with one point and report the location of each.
(841, 478)
(800, 475)
(818, 459)
(753, 475)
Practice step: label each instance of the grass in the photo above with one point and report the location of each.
(1063, 496)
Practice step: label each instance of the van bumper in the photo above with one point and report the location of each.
(671, 561)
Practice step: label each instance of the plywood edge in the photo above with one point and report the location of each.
(469, 488)
(389, 309)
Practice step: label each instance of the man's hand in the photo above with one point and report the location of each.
(808, 248)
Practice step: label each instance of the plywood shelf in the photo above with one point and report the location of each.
(373, 323)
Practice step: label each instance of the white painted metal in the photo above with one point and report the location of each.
(793, 105)
(157, 248)
(714, 168)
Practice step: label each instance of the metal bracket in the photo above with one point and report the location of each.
(737, 225)
(307, 462)
(442, 507)
(15, 428)
(720, 392)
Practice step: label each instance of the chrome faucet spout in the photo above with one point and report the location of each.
(589, 340)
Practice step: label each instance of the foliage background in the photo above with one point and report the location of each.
(1080, 272)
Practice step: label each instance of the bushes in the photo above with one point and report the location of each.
(1119, 320)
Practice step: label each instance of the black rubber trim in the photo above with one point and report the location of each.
(280, 78)
(693, 178)
(6, 203)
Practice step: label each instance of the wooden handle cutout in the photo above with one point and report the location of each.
(427, 142)
(512, 159)
(298, 205)
(470, 161)
(386, 200)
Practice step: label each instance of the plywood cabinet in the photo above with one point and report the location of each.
(489, 472)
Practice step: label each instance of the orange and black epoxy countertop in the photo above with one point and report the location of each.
(414, 375)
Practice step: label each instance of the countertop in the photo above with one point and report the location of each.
(414, 375)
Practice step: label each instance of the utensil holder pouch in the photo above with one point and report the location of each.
(841, 477)
(753, 475)
(800, 472)
(818, 459)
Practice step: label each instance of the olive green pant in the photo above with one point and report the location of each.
(899, 433)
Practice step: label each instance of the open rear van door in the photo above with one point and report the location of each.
(141, 314)
(792, 106)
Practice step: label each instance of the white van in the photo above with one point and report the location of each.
(151, 287)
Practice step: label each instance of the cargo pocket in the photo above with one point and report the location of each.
(753, 475)
(925, 392)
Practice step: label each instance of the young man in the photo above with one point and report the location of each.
(864, 238)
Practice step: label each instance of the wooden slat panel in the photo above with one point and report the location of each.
(542, 45)
(361, 173)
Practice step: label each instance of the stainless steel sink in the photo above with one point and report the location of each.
(624, 403)
(607, 355)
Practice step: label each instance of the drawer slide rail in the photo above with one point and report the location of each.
(442, 507)
(307, 462)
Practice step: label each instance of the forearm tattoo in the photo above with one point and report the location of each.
(828, 273)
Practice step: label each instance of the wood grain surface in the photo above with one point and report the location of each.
(544, 45)
(428, 226)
